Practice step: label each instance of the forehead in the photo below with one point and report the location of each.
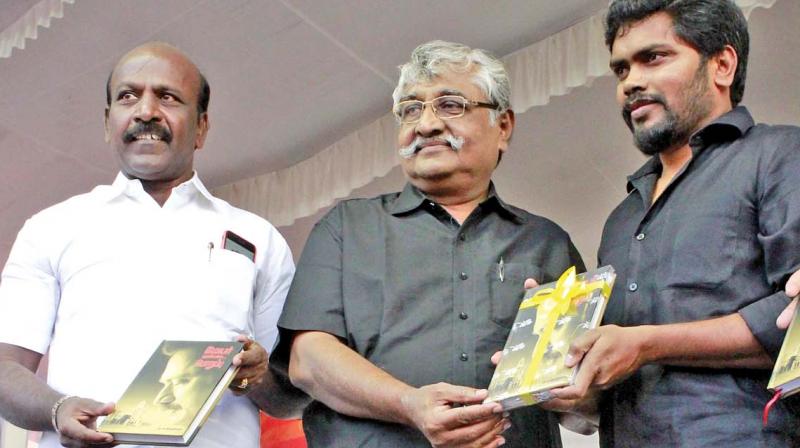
(446, 83)
(152, 68)
(653, 31)
(178, 364)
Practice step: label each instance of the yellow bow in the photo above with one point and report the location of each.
(552, 303)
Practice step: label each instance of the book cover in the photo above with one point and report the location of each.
(786, 373)
(173, 394)
(550, 317)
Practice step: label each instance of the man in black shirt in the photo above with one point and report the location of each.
(703, 243)
(399, 300)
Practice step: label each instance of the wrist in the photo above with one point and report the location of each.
(54, 411)
(648, 344)
(407, 400)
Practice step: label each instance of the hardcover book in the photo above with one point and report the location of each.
(173, 394)
(550, 317)
(786, 373)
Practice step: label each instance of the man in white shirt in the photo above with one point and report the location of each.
(100, 279)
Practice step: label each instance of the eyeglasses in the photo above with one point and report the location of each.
(444, 107)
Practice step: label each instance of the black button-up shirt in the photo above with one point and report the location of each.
(722, 238)
(422, 297)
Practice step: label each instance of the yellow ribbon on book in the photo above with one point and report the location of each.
(552, 303)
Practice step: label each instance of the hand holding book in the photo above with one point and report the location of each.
(252, 364)
(74, 418)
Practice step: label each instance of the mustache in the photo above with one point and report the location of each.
(406, 152)
(147, 128)
(627, 108)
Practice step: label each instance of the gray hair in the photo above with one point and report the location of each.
(431, 59)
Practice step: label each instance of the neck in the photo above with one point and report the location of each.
(160, 190)
(459, 203)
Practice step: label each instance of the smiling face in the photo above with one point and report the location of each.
(153, 122)
(452, 155)
(664, 86)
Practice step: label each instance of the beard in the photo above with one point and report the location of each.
(675, 129)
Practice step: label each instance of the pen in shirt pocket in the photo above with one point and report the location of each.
(501, 274)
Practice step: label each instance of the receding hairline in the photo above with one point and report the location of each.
(158, 49)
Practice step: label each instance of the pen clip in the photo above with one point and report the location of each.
(501, 270)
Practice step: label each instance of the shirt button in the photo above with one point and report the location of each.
(463, 316)
(640, 237)
(464, 357)
(633, 287)
(462, 237)
(463, 276)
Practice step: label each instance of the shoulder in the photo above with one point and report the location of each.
(353, 211)
(540, 224)
(76, 209)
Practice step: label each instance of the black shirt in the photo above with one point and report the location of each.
(722, 238)
(423, 298)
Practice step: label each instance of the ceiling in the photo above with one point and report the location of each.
(288, 78)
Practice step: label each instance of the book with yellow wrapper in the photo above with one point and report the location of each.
(550, 317)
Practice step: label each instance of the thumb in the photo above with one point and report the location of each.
(463, 395)
(531, 283)
(786, 315)
(793, 285)
(579, 347)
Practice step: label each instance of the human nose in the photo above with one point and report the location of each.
(147, 109)
(429, 122)
(634, 81)
(165, 395)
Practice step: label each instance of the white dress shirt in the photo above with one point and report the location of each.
(101, 278)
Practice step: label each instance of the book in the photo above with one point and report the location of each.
(174, 393)
(786, 373)
(550, 317)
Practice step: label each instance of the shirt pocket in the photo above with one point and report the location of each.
(506, 290)
(229, 282)
(700, 252)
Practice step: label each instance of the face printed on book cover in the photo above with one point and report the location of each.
(181, 386)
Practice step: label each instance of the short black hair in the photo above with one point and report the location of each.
(203, 97)
(707, 25)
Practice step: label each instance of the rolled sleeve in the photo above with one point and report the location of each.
(760, 318)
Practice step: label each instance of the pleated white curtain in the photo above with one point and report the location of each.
(551, 67)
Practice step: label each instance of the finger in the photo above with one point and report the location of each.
(74, 431)
(473, 433)
(793, 285)
(558, 404)
(254, 354)
(786, 315)
(530, 283)
(459, 394)
(469, 415)
(580, 346)
(496, 357)
(493, 437)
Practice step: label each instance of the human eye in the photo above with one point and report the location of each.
(653, 57)
(620, 71)
(450, 105)
(409, 109)
(126, 96)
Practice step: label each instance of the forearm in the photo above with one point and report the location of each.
(332, 373)
(278, 397)
(724, 342)
(25, 400)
